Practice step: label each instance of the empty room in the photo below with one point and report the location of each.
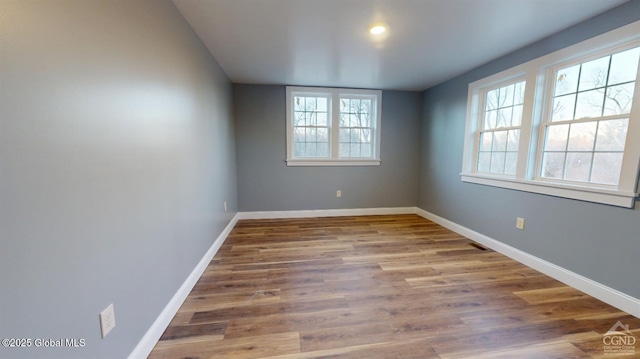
(319, 179)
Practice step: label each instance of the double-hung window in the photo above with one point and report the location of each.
(499, 133)
(585, 128)
(333, 126)
(564, 124)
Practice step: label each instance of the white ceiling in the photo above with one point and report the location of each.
(327, 43)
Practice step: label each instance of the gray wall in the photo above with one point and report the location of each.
(265, 183)
(116, 154)
(597, 241)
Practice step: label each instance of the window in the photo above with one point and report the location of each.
(310, 125)
(586, 129)
(500, 131)
(561, 124)
(333, 127)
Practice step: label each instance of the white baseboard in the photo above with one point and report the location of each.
(327, 213)
(151, 337)
(597, 290)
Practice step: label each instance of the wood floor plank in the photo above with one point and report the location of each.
(550, 295)
(395, 286)
(481, 341)
(561, 350)
(405, 349)
(225, 300)
(346, 336)
(299, 322)
(186, 331)
(258, 347)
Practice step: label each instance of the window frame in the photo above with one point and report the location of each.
(334, 95)
(538, 74)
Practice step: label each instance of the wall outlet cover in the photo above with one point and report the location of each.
(107, 320)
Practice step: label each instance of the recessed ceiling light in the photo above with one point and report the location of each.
(377, 29)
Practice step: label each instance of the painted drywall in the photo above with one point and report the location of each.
(265, 183)
(116, 155)
(597, 241)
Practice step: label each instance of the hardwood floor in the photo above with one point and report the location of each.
(379, 287)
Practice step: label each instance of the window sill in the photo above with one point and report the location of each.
(589, 194)
(324, 162)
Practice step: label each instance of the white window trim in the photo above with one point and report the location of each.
(536, 73)
(323, 162)
(334, 113)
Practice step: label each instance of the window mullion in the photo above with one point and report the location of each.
(593, 148)
(589, 119)
(525, 159)
(606, 82)
(335, 125)
(501, 129)
(575, 101)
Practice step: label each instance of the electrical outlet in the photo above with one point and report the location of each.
(107, 320)
(520, 223)
(338, 193)
(225, 206)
